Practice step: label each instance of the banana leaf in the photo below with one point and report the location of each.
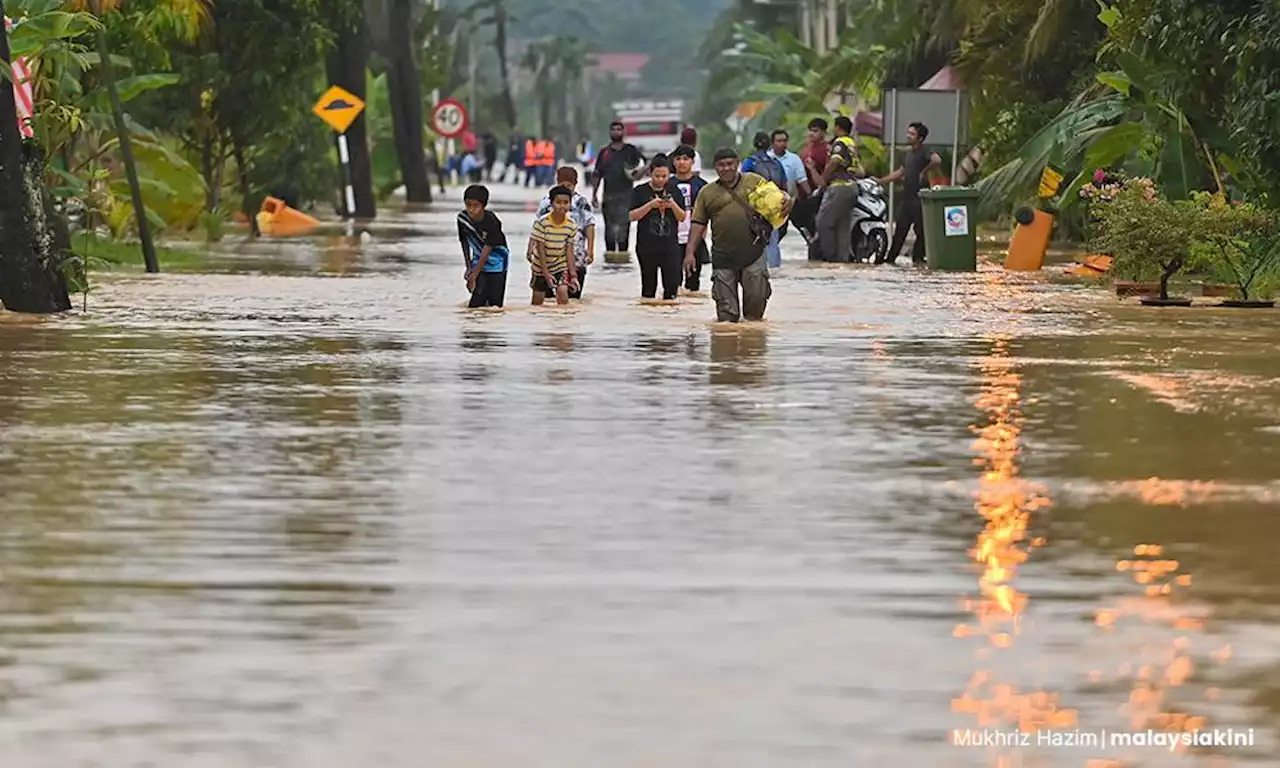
(1066, 135)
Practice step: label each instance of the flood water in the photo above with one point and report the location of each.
(309, 511)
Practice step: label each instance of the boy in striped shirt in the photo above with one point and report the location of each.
(551, 250)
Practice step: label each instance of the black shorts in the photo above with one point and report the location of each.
(490, 291)
(539, 283)
(582, 280)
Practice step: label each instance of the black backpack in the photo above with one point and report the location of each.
(768, 165)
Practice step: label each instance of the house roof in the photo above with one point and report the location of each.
(620, 63)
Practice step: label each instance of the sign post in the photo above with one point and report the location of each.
(340, 108)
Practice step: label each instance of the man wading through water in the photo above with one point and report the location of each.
(737, 250)
(617, 165)
(690, 184)
(917, 161)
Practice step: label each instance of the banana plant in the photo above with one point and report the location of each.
(1133, 118)
(797, 80)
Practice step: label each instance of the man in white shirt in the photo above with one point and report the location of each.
(797, 177)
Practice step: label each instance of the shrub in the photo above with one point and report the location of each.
(1243, 242)
(1146, 233)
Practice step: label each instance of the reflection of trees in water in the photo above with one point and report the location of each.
(164, 466)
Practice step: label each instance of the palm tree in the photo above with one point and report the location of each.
(494, 13)
(539, 60)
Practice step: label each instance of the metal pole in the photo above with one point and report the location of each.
(955, 141)
(890, 124)
(471, 69)
(435, 93)
(126, 146)
(349, 192)
(806, 31)
(833, 29)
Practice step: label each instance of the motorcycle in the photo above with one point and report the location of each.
(870, 233)
(869, 228)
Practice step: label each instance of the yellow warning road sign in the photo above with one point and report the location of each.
(339, 108)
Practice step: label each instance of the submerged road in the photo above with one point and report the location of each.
(307, 511)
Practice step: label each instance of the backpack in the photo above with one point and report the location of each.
(769, 166)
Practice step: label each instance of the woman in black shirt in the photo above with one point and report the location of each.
(658, 206)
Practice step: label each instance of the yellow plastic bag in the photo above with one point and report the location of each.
(770, 202)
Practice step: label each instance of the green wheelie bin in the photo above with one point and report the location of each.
(950, 233)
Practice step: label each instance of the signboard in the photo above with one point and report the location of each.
(449, 119)
(945, 112)
(339, 108)
(956, 220)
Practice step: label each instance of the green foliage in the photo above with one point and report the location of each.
(1242, 241)
(1148, 233)
(214, 225)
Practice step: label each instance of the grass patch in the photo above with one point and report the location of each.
(125, 255)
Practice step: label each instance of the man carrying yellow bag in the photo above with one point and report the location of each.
(741, 233)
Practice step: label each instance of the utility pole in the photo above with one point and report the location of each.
(472, 105)
(126, 145)
(435, 92)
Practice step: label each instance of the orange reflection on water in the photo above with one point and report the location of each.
(1162, 670)
(1005, 501)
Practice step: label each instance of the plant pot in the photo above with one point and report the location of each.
(1238, 304)
(1129, 288)
(1172, 301)
(1215, 289)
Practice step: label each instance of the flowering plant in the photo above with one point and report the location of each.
(1106, 185)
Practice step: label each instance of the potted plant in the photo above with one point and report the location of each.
(1101, 189)
(1244, 246)
(1149, 235)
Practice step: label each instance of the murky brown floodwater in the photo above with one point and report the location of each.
(283, 519)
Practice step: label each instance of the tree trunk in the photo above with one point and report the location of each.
(404, 88)
(500, 39)
(242, 172)
(1170, 270)
(544, 119)
(206, 171)
(126, 149)
(31, 278)
(348, 64)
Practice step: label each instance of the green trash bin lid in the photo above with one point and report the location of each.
(950, 193)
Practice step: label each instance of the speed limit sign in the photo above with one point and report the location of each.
(449, 118)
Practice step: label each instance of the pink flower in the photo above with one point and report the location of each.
(1099, 176)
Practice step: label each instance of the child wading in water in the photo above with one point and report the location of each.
(551, 251)
(484, 249)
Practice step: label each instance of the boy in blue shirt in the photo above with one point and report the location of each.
(484, 249)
